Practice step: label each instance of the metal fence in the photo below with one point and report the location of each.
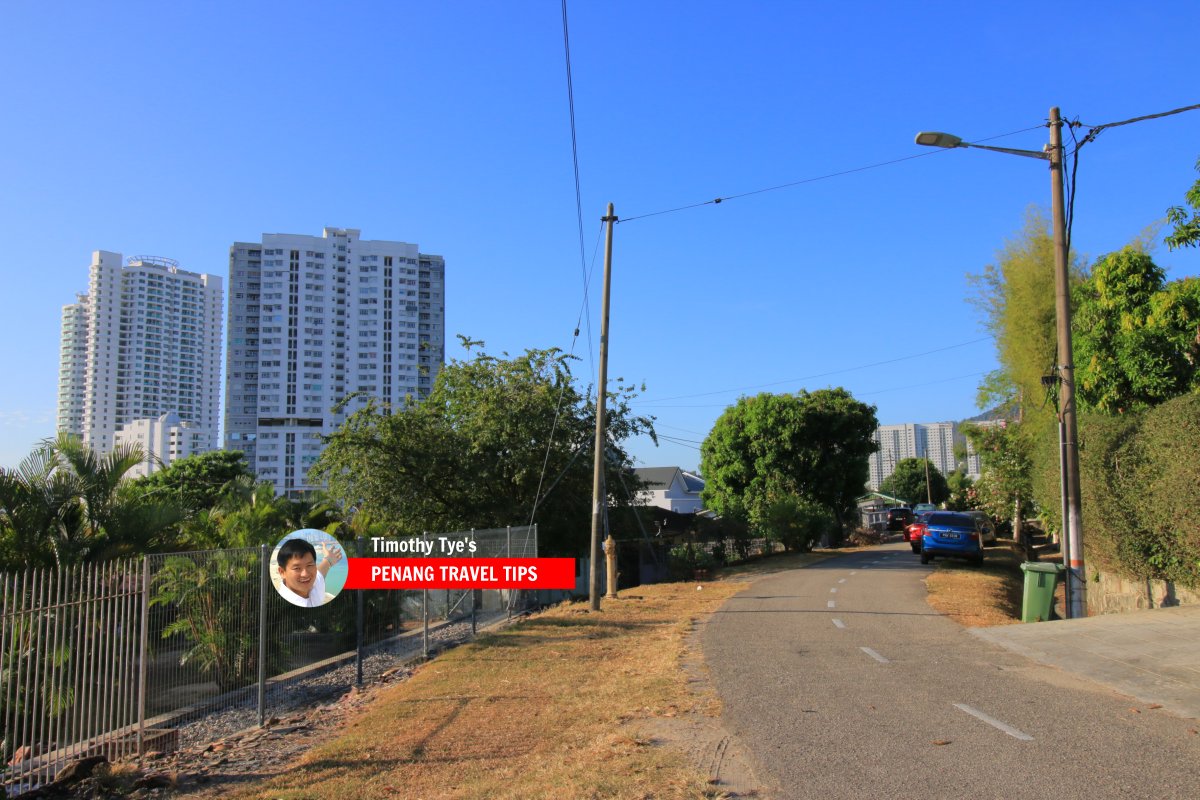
(70, 644)
(118, 658)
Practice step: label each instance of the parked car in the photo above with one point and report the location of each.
(950, 533)
(914, 532)
(899, 518)
(921, 508)
(987, 529)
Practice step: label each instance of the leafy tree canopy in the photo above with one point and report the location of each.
(1005, 451)
(1137, 338)
(198, 482)
(810, 446)
(1015, 297)
(907, 482)
(495, 437)
(1186, 231)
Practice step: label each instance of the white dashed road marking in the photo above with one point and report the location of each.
(843, 580)
(852, 572)
(995, 723)
(833, 590)
(874, 655)
(830, 604)
(837, 623)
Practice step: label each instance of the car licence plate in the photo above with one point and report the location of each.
(949, 535)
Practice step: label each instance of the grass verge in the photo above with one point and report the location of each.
(980, 596)
(536, 710)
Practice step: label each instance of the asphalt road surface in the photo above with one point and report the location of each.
(841, 681)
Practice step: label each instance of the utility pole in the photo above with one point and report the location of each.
(598, 498)
(1066, 369)
(928, 487)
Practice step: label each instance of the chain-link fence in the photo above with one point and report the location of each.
(118, 658)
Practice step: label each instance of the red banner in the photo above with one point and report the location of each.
(460, 573)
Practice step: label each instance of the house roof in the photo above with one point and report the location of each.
(880, 495)
(657, 477)
(693, 482)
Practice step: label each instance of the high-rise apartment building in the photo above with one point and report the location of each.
(143, 341)
(912, 440)
(313, 319)
(896, 443)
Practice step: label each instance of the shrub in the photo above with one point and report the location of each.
(1140, 484)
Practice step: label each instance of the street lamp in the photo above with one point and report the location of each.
(1073, 519)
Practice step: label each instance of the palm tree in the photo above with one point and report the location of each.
(67, 504)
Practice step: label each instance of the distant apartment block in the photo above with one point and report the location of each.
(164, 439)
(313, 319)
(142, 342)
(912, 440)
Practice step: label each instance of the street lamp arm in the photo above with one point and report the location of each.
(936, 139)
(1027, 153)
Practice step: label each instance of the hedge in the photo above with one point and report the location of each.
(1140, 484)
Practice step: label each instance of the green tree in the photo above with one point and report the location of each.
(907, 482)
(1186, 232)
(498, 441)
(198, 482)
(962, 491)
(1135, 337)
(1005, 490)
(806, 446)
(795, 522)
(67, 504)
(1015, 297)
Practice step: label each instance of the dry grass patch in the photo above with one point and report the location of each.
(536, 710)
(979, 596)
(777, 563)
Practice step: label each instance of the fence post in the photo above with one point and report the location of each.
(473, 615)
(264, 555)
(508, 554)
(144, 666)
(425, 614)
(358, 623)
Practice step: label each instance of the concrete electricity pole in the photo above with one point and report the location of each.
(598, 492)
(1066, 371)
(1073, 521)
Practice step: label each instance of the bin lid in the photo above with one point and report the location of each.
(1042, 566)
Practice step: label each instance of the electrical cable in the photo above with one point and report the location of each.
(856, 394)
(1096, 130)
(818, 375)
(585, 310)
(538, 497)
(575, 162)
(719, 200)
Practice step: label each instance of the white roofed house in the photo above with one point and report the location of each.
(671, 488)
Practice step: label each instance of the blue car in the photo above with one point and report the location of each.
(948, 533)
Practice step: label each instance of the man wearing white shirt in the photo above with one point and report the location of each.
(301, 580)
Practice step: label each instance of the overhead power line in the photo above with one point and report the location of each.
(817, 375)
(802, 181)
(1096, 130)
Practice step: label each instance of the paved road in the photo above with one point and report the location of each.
(842, 682)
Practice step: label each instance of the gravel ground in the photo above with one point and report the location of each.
(226, 747)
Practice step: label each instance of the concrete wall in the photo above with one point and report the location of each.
(1113, 594)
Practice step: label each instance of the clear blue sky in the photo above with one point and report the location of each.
(176, 128)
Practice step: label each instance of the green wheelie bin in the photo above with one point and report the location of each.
(1041, 578)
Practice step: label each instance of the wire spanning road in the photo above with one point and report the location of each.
(842, 682)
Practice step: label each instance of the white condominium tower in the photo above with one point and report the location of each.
(143, 341)
(934, 440)
(313, 319)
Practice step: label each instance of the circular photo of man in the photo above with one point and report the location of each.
(308, 568)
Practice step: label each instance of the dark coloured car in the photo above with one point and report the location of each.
(899, 518)
(949, 533)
